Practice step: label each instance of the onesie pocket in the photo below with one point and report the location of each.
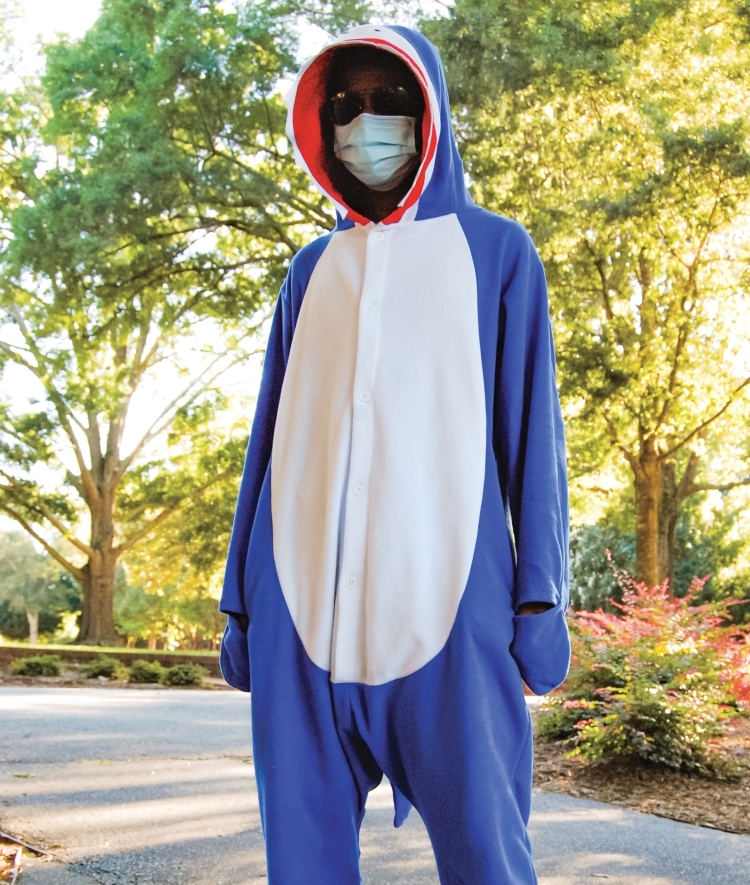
(541, 648)
(234, 655)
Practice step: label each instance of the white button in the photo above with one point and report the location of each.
(378, 236)
(351, 582)
(359, 490)
(365, 396)
(371, 308)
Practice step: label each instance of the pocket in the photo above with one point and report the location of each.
(541, 648)
(234, 656)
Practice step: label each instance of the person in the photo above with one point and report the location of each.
(398, 560)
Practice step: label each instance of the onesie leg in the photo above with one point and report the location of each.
(455, 738)
(478, 828)
(463, 759)
(312, 780)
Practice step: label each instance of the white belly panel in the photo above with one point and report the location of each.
(379, 450)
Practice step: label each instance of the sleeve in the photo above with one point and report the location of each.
(234, 657)
(529, 443)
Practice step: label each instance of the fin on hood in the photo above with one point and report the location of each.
(439, 187)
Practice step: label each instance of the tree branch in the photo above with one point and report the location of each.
(679, 347)
(687, 481)
(48, 514)
(165, 514)
(703, 425)
(158, 425)
(722, 487)
(615, 439)
(58, 557)
(64, 412)
(604, 289)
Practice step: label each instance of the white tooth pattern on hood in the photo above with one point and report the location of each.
(304, 101)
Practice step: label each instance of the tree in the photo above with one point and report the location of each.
(154, 204)
(29, 581)
(619, 134)
(139, 266)
(174, 584)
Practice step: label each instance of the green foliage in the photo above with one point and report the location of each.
(30, 582)
(139, 265)
(146, 672)
(592, 584)
(184, 674)
(14, 625)
(102, 666)
(137, 270)
(179, 614)
(655, 682)
(618, 134)
(38, 665)
(709, 540)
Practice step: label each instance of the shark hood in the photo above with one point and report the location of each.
(439, 187)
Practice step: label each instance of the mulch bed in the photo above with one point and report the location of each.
(74, 678)
(7, 860)
(721, 802)
(12, 853)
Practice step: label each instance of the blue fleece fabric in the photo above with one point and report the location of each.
(454, 738)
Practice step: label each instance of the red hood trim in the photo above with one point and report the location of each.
(307, 134)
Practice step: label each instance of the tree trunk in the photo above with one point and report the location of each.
(669, 513)
(97, 617)
(33, 619)
(648, 495)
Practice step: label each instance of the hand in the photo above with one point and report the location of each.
(534, 608)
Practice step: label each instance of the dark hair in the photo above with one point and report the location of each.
(362, 56)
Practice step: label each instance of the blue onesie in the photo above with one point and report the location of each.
(404, 493)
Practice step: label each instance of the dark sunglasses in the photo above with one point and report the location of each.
(392, 101)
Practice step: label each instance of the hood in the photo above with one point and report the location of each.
(439, 187)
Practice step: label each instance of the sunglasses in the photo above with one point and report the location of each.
(391, 101)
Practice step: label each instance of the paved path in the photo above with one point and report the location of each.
(155, 787)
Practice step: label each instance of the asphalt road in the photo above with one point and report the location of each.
(132, 787)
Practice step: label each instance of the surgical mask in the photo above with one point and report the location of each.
(378, 150)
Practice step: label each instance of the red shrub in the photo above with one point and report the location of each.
(657, 680)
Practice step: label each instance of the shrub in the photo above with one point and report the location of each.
(39, 665)
(102, 666)
(184, 674)
(657, 681)
(146, 672)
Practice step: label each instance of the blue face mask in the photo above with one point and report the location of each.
(378, 150)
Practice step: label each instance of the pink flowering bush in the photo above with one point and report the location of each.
(656, 681)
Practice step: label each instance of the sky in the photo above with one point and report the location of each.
(49, 17)
(46, 18)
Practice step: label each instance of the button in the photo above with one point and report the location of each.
(359, 490)
(365, 396)
(371, 308)
(378, 236)
(351, 582)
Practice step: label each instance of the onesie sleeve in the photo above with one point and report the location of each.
(529, 442)
(234, 658)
